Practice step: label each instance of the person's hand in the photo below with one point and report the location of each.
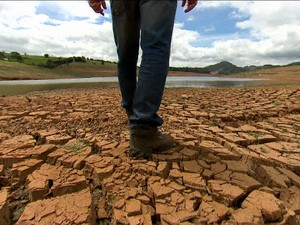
(98, 6)
(190, 4)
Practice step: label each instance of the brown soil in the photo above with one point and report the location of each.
(236, 159)
(275, 76)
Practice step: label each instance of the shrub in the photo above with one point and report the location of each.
(2, 55)
(52, 63)
(16, 56)
(79, 59)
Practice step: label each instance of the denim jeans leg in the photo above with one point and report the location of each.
(157, 21)
(126, 29)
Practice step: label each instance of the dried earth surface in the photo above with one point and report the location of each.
(236, 159)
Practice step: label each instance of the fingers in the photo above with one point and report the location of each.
(98, 6)
(183, 3)
(191, 4)
(100, 11)
(103, 4)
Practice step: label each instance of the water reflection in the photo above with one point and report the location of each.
(25, 86)
(204, 82)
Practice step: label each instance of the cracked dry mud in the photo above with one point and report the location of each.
(236, 160)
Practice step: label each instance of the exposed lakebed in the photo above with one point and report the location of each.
(235, 160)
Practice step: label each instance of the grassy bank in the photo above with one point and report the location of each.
(22, 71)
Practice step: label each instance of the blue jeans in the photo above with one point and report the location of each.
(149, 24)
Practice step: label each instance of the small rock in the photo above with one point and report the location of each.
(212, 211)
(291, 198)
(56, 180)
(246, 216)
(22, 169)
(163, 169)
(194, 181)
(160, 191)
(133, 207)
(225, 192)
(271, 208)
(72, 208)
(191, 166)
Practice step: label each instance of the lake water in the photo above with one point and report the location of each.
(18, 87)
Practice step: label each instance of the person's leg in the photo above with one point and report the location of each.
(126, 28)
(157, 21)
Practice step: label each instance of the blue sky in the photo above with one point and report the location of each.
(241, 32)
(211, 24)
(208, 21)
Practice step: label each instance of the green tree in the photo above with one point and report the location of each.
(2, 55)
(16, 56)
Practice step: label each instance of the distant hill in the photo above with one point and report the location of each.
(294, 64)
(227, 68)
(224, 68)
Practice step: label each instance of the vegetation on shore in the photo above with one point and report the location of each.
(14, 66)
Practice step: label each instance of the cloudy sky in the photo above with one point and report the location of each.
(241, 32)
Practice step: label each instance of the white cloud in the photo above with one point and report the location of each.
(191, 18)
(210, 29)
(25, 31)
(274, 29)
(212, 4)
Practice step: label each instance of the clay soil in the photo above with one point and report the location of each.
(279, 76)
(235, 160)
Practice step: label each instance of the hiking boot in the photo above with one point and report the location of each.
(145, 141)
